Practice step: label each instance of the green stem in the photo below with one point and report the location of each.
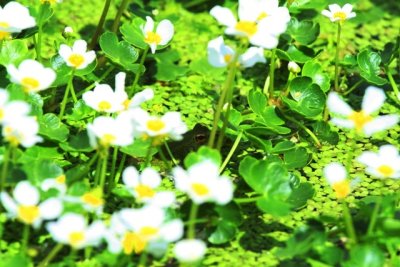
(143, 259)
(5, 165)
(272, 75)
(393, 84)
(339, 30)
(132, 90)
(162, 155)
(120, 167)
(65, 99)
(102, 77)
(86, 168)
(25, 238)
(348, 221)
(246, 199)
(98, 171)
(117, 18)
(113, 169)
(231, 152)
(72, 89)
(40, 33)
(374, 217)
(170, 154)
(103, 171)
(350, 153)
(191, 234)
(193, 3)
(100, 25)
(228, 84)
(304, 128)
(148, 154)
(50, 256)
(353, 87)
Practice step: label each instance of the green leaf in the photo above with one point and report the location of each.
(230, 212)
(80, 113)
(77, 143)
(282, 147)
(62, 70)
(14, 52)
(138, 149)
(167, 70)
(204, 153)
(18, 260)
(271, 121)
(368, 63)
(296, 158)
(299, 54)
(308, 99)
(273, 206)
(365, 256)
(324, 132)
(257, 101)
(304, 32)
(202, 66)
(224, 232)
(300, 195)
(133, 34)
(52, 128)
(121, 53)
(37, 153)
(39, 170)
(314, 70)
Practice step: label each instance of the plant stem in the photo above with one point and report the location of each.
(227, 87)
(102, 77)
(353, 87)
(117, 18)
(162, 155)
(191, 234)
(374, 217)
(348, 221)
(65, 99)
(103, 171)
(72, 89)
(350, 154)
(231, 152)
(148, 154)
(393, 84)
(132, 90)
(308, 131)
(247, 199)
(25, 238)
(98, 171)
(170, 154)
(339, 30)
(143, 259)
(50, 256)
(5, 165)
(272, 75)
(120, 167)
(40, 33)
(113, 167)
(100, 25)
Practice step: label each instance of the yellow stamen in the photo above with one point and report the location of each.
(76, 238)
(104, 105)
(107, 139)
(28, 214)
(76, 60)
(126, 103)
(1, 114)
(130, 242)
(93, 199)
(30, 84)
(148, 232)
(61, 179)
(4, 34)
(228, 58)
(342, 189)
(360, 119)
(386, 170)
(155, 125)
(262, 15)
(340, 15)
(144, 191)
(152, 38)
(200, 189)
(247, 27)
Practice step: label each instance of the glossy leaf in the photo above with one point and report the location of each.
(314, 70)
(204, 153)
(369, 65)
(52, 128)
(304, 32)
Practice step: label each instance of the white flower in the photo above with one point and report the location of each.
(362, 121)
(293, 67)
(190, 250)
(219, 54)
(32, 75)
(203, 184)
(262, 21)
(107, 131)
(252, 56)
(72, 229)
(11, 110)
(140, 98)
(142, 187)
(337, 13)
(25, 205)
(162, 35)
(169, 125)
(134, 230)
(91, 201)
(14, 17)
(336, 175)
(57, 183)
(68, 30)
(104, 99)
(384, 164)
(22, 131)
(77, 57)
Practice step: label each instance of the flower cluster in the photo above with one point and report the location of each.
(14, 18)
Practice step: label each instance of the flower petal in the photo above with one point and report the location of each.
(373, 99)
(223, 15)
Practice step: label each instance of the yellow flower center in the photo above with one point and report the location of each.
(76, 60)
(126, 103)
(76, 238)
(30, 84)
(4, 34)
(104, 105)
(48, 1)
(386, 170)
(107, 139)
(130, 242)
(148, 232)
(228, 58)
(248, 27)
(200, 189)
(92, 199)
(340, 15)
(1, 114)
(342, 189)
(144, 191)
(61, 179)
(360, 119)
(262, 15)
(11, 137)
(28, 214)
(152, 38)
(155, 125)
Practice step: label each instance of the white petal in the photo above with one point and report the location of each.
(166, 30)
(344, 123)
(149, 26)
(224, 191)
(266, 41)
(335, 172)
(141, 97)
(79, 47)
(368, 158)
(120, 82)
(150, 177)
(65, 52)
(172, 230)
(373, 99)
(252, 56)
(51, 208)
(26, 194)
(380, 123)
(163, 199)
(347, 8)
(223, 15)
(130, 176)
(190, 250)
(9, 204)
(336, 105)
